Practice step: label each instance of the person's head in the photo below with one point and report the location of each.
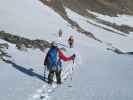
(71, 37)
(53, 44)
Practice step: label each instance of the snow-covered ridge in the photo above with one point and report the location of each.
(119, 20)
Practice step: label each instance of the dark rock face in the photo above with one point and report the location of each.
(22, 42)
(118, 51)
(122, 28)
(3, 54)
(4, 45)
(108, 7)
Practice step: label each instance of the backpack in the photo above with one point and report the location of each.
(51, 58)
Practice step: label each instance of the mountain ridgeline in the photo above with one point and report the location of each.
(81, 7)
(108, 7)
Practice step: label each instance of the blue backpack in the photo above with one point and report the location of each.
(52, 54)
(51, 60)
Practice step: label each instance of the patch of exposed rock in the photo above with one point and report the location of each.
(22, 42)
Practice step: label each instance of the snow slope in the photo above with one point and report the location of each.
(102, 75)
(29, 18)
(106, 36)
(97, 74)
(21, 75)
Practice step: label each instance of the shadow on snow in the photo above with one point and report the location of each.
(29, 72)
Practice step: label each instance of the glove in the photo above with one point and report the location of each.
(73, 56)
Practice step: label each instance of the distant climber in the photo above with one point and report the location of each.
(53, 62)
(60, 33)
(71, 41)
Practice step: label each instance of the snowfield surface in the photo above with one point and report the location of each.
(22, 75)
(97, 74)
(29, 18)
(102, 75)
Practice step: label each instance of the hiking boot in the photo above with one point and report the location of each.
(59, 82)
(49, 82)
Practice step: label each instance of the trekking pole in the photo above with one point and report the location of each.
(45, 73)
(72, 70)
(73, 61)
(71, 74)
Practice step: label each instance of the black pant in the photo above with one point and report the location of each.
(71, 45)
(51, 75)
